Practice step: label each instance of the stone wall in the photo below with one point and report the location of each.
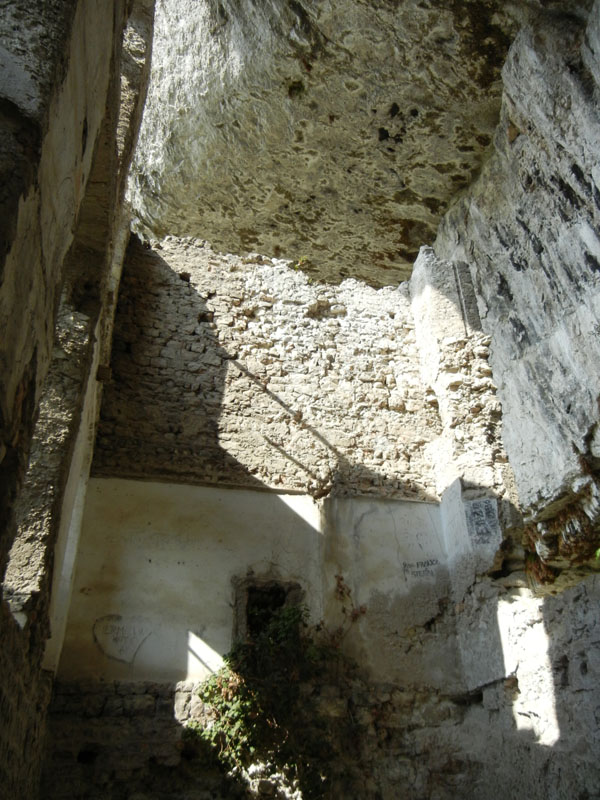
(490, 690)
(62, 227)
(161, 570)
(120, 740)
(528, 724)
(243, 371)
(246, 372)
(526, 228)
(453, 353)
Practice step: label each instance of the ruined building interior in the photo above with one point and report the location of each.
(299, 311)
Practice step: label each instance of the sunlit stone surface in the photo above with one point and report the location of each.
(333, 132)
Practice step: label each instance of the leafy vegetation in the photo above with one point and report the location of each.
(260, 709)
(252, 698)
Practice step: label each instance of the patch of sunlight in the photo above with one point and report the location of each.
(305, 507)
(202, 660)
(526, 647)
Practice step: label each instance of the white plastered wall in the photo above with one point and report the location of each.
(154, 596)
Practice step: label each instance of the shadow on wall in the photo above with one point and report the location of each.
(156, 598)
(482, 691)
(148, 599)
(161, 411)
(159, 570)
(112, 739)
(161, 419)
(572, 628)
(477, 676)
(180, 398)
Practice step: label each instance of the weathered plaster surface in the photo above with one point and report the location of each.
(470, 678)
(154, 577)
(155, 580)
(504, 740)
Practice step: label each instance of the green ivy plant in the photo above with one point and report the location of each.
(251, 698)
(257, 709)
(302, 263)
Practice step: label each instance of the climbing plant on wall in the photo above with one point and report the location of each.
(263, 710)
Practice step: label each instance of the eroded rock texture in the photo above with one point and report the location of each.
(529, 230)
(339, 135)
(334, 131)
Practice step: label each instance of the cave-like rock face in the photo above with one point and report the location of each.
(529, 230)
(336, 133)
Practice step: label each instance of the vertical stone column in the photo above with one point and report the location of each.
(454, 366)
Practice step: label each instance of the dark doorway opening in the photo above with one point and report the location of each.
(261, 603)
(256, 603)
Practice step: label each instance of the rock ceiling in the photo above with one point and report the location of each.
(333, 133)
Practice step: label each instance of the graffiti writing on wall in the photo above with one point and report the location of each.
(420, 569)
(482, 520)
(120, 637)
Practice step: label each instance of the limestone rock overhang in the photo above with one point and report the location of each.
(332, 133)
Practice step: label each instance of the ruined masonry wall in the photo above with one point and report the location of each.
(128, 740)
(243, 372)
(61, 225)
(530, 729)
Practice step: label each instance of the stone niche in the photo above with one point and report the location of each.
(455, 667)
(165, 574)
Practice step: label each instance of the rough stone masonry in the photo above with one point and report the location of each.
(246, 372)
